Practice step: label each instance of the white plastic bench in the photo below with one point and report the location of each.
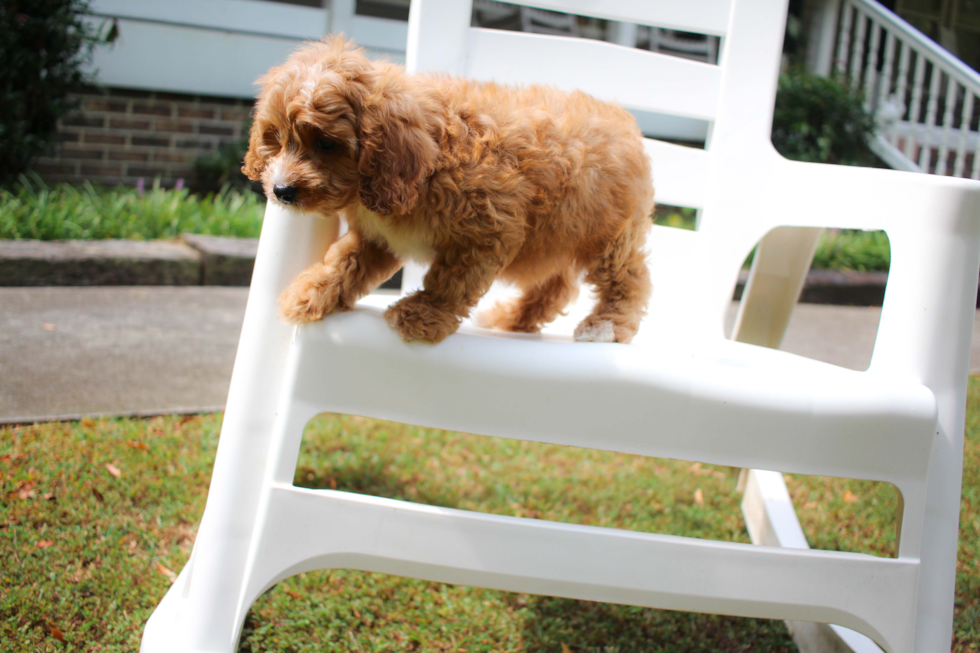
(680, 391)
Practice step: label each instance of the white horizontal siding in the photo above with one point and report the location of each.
(218, 47)
(245, 16)
(160, 57)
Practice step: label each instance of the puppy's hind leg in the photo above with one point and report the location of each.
(622, 282)
(538, 305)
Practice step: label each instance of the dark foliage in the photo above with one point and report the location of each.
(223, 168)
(43, 46)
(821, 120)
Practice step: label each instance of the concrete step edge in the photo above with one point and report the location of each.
(202, 260)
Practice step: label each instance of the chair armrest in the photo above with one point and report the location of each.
(933, 227)
(820, 195)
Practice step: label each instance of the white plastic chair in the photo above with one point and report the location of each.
(681, 391)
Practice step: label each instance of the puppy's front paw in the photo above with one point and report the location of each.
(417, 319)
(309, 298)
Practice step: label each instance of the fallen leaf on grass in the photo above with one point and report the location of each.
(43, 544)
(699, 497)
(850, 497)
(88, 422)
(112, 469)
(49, 496)
(134, 444)
(565, 649)
(26, 492)
(98, 496)
(55, 632)
(295, 595)
(167, 572)
(810, 506)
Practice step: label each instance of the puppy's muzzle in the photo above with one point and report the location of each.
(286, 194)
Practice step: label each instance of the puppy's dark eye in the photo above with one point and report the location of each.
(325, 144)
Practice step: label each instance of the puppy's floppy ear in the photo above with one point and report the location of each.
(257, 154)
(397, 127)
(254, 163)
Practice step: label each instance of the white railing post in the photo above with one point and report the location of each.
(915, 110)
(857, 52)
(965, 119)
(904, 60)
(885, 80)
(925, 149)
(952, 90)
(843, 41)
(871, 68)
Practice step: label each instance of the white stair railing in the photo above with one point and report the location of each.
(924, 97)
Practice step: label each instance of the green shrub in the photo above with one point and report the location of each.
(223, 168)
(821, 120)
(33, 210)
(43, 46)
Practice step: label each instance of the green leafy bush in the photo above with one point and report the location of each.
(33, 210)
(224, 167)
(821, 120)
(43, 46)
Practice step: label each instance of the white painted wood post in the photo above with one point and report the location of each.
(925, 152)
(916, 109)
(823, 33)
(857, 54)
(871, 69)
(622, 34)
(844, 41)
(952, 90)
(965, 119)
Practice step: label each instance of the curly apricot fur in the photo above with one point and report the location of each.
(531, 185)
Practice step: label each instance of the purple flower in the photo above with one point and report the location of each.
(180, 183)
(140, 186)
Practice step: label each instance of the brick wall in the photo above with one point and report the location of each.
(119, 136)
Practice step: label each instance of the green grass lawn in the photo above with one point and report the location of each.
(96, 516)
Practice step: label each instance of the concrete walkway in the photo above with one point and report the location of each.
(67, 352)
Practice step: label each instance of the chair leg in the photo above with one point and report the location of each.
(776, 278)
(203, 610)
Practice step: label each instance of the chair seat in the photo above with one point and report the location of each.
(719, 402)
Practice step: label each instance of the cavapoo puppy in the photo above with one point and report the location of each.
(481, 181)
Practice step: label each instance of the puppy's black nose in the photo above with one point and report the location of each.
(286, 194)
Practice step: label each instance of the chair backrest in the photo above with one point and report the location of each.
(735, 96)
